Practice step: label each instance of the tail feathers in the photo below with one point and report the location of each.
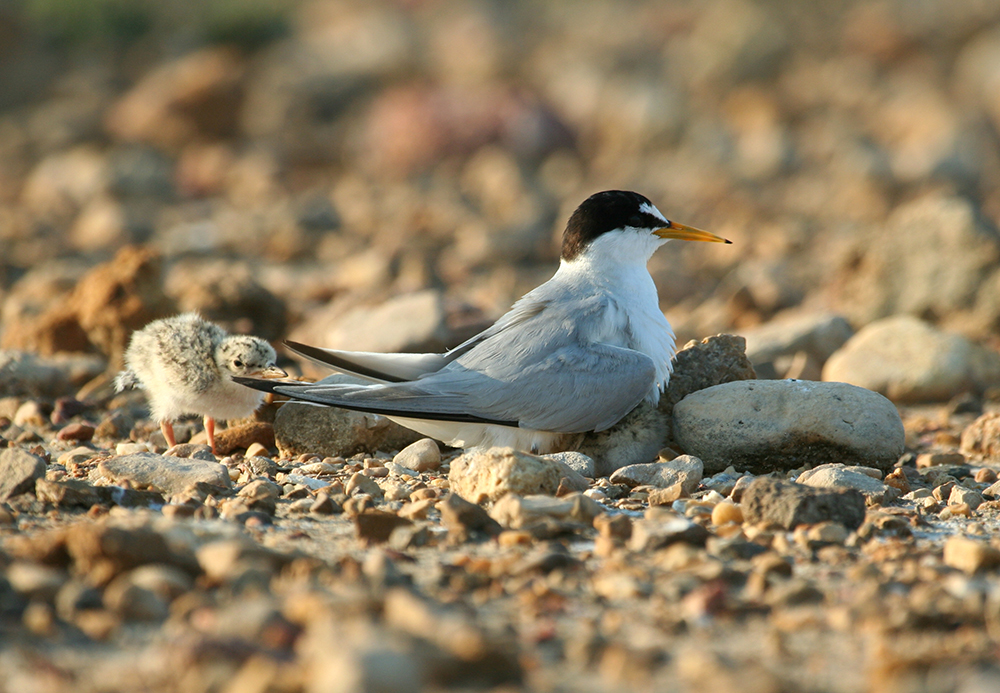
(126, 380)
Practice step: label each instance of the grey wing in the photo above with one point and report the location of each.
(573, 389)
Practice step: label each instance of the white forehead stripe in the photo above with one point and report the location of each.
(648, 208)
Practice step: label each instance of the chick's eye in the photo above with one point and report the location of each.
(238, 364)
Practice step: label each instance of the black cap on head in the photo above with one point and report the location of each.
(603, 212)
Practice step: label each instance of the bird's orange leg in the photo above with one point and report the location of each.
(167, 428)
(210, 432)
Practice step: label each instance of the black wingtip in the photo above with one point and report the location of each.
(257, 383)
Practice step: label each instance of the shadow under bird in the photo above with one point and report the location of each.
(572, 356)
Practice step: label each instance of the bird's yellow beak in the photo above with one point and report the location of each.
(270, 372)
(688, 233)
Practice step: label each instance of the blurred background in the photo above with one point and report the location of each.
(393, 174)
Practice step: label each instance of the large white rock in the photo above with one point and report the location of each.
(908, 360)
(766, 425)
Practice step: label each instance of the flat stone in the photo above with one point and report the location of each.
(837, 475)
(789, 505)
(762, 426)
(330, 432)
(960, 494)
(684, 470)
(514, 512)
(909, 360)
(19, 469)
(169, 475)
(490, 473)
(653, 533)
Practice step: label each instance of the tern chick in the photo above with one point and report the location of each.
(186, 365)
(572, 356)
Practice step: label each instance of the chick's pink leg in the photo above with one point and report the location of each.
(167, 429)
(210, 432)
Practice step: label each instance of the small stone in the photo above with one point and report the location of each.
(575, 461)
(19, 471)
(464, 519)
(76, 431)
(169, 475)
(514, 512)
(324, 505)
(985, 475)
(71, 493)
(939, 459)
(651, 534)
(685, 470)
(898, 480)
(421, 456)
(360, 483)
(375, 527)
(726, 512)
(970, 555)
(843, 477)
(788, 505)
(666, 496)
(491, 473)
(257, 450)
(962, 495)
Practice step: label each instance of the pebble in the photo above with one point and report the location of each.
(169, 475)
(684, 470)
(491, 473)
(422, 456)
(865, 480)
(19, 470)
(761, 426)
(789, 505)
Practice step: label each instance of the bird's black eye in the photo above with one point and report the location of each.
(238, 364)
(635, 220)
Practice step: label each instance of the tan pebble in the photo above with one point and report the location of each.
(726, 512)
(970, 555)
(514, 537)
(934, 459)
(257, 450)
(956, 510)
(234, 474)
(985, 475)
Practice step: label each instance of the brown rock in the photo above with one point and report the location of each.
(102, 551)
(464, 519)
(243, 436)
(330, 432)
(76, 431)
(375, 526)
(788, 504)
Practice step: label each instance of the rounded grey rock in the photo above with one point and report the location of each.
(762, 426)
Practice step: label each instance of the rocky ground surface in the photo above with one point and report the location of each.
(382, 175)
(125, 566)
